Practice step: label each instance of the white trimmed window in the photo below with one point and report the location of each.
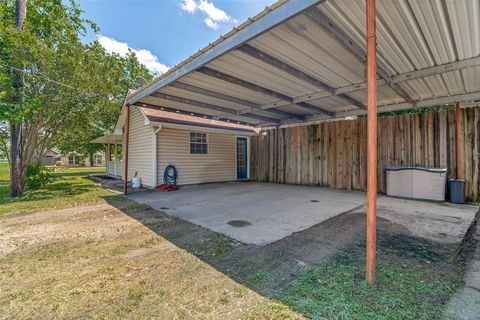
(198, 143)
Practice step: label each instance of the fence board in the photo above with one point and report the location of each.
(334, 153)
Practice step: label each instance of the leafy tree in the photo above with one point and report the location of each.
(120, 74)
(70, 91)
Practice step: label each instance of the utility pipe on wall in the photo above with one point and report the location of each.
(371, 222)
(155, 155)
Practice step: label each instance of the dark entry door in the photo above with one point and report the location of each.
(242, 158)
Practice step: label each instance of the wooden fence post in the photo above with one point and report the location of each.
(458, 141)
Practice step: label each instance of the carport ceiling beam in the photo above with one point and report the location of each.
(250, 106)
(299, 74)
(418, 104)
(282, 13)
(407, 76)
(395, 107)
(417, 74)
(350, 45)
(251, 86)
(244, 84)
(209, 106)
(155, 107)
(412, 75)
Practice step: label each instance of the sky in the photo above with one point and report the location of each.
(164, 32)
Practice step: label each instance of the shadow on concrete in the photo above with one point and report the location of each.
(270, 268)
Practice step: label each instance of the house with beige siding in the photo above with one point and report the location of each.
(202, 149)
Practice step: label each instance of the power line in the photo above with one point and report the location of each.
(46, 78)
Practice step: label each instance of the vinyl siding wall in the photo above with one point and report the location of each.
(140, 148)
(218, 165)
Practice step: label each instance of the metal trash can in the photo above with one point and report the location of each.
(457, 191)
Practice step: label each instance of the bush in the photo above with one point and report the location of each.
(59, 163)
(38, 176)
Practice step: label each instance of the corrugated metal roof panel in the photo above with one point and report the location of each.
(465, 22)
(472, 79)
(434, 24)
(267, 113)
(252, 70)
(206, 82)
(303, 44)
(296, 110)
(177, 105)
(332, 103)
(411, 35)
(198, 97)
(205, 111)
(386, 95)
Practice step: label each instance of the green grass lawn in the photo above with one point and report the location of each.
(71, 187)
(135, 262)
(407, 287)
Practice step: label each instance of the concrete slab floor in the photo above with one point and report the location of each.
(442, 222)
(261, 213)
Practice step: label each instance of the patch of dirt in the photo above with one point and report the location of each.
(17, 232)
(97, 262)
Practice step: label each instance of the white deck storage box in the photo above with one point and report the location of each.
(417, 182)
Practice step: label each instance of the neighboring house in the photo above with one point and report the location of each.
(51, 158)
(74, 159)
(202, 149)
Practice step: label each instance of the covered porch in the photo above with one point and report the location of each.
(113, 154)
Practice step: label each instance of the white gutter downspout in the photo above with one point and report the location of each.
(155, 156)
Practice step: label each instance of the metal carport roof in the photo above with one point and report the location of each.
(304, 60)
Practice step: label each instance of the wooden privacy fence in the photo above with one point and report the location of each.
(334, 154)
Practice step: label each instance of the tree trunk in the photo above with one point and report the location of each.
(16, 177)
(17, 170)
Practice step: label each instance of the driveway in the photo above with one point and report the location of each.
(261, 213)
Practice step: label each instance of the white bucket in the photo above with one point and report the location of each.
(136, 182)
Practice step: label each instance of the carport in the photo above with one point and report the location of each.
(303, 61)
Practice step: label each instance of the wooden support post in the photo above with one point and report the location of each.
(107, 157)
(115, 158)
(371, 143)
(127, 130)
(458, 141)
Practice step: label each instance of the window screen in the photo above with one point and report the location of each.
(198, 143)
